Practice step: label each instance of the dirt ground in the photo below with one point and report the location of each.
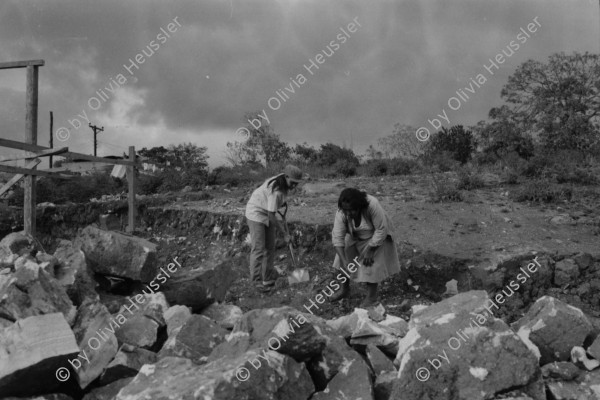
(486, 225)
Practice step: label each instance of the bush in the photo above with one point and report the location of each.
(541, 191)
(469, 179)
(344, 168)
(401, 166)
(444, 190)
(456, 141)
(78, 189)
(330, 154)
(376, 168)
(149, 184)
(442, 161)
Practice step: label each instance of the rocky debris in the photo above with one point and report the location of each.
(457, 349)
(336, 355)
(140, 318)
(562, 370)
(353, 381)
(225, 314)
(383, 385)
(554, 327)
(284, 329)
(566, 271)
(73, 272)
(277, 378)
(117, 254)
(109, 391)
(587, 386)
(199, 287)
(126, 364)
(361, 330)
(54, 396)
(594, 349)
(580, 359)
(195, 340)
(31, 351)
(97, 343)
(378, 361)
(13, 246)
(32, 291)
(138, 330)
(176, 317)
(153, 306)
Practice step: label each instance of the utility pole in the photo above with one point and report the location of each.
(96, 130)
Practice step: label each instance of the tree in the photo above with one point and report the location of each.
(457, 141)
(187, 156)
(330, 153)
(501, 137)
(260, 142)
(373, 153)
(156, 155)
(305, 153)
(558, 100)
(402, 143)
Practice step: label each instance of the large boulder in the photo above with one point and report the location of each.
(32, 352)
(109, 391)
(554, 327)
(226, 315)
(195, 340)
(586, 386)
(197, 288)
(457, 349)
(277, 377)
(97, 343)
(117, 254)
(284, 329)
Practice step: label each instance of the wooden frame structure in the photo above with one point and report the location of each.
(33, 151)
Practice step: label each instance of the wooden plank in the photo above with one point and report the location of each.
(21, 64)
(31, 114)
(42, 153)
(12, 144)
(25, 171)
(131, 191)
(18, 177)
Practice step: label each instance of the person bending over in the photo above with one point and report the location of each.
(363, 229)
(263, 223)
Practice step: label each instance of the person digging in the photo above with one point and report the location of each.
(363, 229)
(263, 224)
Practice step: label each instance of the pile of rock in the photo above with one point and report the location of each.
(61, 339)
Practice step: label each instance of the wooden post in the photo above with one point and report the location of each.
(131, 193)
(51, 137)
(31, 138)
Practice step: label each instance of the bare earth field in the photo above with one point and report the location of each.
(487, 226)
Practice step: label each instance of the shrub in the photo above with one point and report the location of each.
(78, 189)
(541, 191)
(345, 168)
(469, 179)
(376, 168)
(442, 161)
(149, 184)
(457, 141)
(330, 154)
(401, 166)
(444, 190)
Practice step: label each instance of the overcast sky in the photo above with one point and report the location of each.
(223, 58)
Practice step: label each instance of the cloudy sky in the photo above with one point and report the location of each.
(222, 58)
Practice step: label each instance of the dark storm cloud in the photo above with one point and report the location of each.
(230, 57)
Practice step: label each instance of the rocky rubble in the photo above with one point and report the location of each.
(176, 342)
